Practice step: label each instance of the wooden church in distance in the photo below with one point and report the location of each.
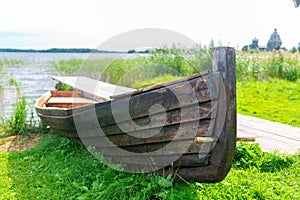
(274, 41)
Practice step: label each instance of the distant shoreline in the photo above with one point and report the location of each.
(58, 50)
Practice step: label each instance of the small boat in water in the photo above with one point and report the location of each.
(185, 127)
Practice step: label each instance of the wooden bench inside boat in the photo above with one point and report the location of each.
(65, 99)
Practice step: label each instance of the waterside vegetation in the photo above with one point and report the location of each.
(267, 82)
(57, 168)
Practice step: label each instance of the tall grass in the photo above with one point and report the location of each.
(11, 61)
(17, 122)
(128, 72)
(181, 62)
(22, 121)
(261, 66)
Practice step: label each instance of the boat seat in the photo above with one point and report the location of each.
(68, 102)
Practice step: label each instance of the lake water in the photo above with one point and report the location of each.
(35, 75)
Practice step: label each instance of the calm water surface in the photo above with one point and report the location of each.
(34, 76)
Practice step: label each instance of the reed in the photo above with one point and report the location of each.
(17, 122)
(262, 65)
(12, 61)
(181, 62)
(127, 72)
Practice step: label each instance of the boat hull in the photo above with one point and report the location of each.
(186, 127)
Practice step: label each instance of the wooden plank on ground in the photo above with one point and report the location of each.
(98, 88)
(270, 135)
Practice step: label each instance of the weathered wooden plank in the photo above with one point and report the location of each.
(157, 120)
(139, 105)
(198, 139)
(223, 151)
(245, 138)
(169, 133)
(93, 128)
(70, 100)
(175, 147)
(41, 101)
(66, 105)
(185, 160)
(94, 87)
(271, 136)
(66, 93)
(158, 86)
(166, 133)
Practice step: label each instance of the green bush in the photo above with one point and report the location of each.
(250, 155)
(247, 155)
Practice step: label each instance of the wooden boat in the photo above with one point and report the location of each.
(185, 127)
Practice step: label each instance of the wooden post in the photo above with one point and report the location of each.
(223, 60)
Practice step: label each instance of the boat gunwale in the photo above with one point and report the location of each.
(221, 156)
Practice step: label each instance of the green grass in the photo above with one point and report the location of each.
(21, 121)
(128, 72)
(263, 65)
(257, 66)
(275, 100)
(57, 168)
(154, 81)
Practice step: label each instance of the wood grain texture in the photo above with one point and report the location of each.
(195, 123)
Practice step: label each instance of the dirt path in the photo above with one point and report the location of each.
(19, 142)
(270, 135)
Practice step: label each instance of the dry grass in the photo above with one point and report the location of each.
(19, 142)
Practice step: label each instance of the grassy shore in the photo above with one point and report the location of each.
(275, 100)
(57, 168)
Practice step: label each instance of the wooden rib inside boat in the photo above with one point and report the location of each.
(185, 127)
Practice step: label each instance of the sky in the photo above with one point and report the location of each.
(87, 24)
